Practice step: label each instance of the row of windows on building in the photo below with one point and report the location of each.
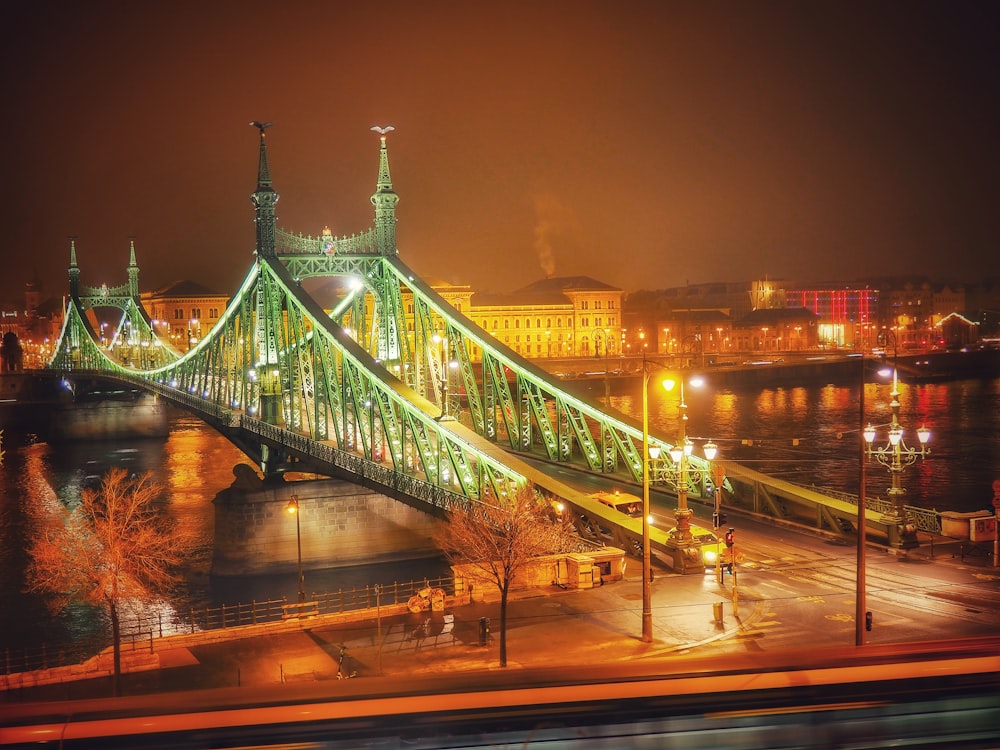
(496, 324)
(181, 313)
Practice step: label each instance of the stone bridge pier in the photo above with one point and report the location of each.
(341, 524)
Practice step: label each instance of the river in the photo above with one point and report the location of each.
(804, 434)
(810, 434)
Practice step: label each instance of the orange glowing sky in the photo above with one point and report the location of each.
(645, 144)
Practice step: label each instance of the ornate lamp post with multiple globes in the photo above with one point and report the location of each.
(895, 455)
(684, 546)
(647, 606)
(685, 549)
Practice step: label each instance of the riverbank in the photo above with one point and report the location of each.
(549, 626)
(588, 377)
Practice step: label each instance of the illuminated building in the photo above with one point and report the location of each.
(554, 317)
(36, 324)
(846, 317)
(183, 312)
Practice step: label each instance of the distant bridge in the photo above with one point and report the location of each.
(365, 390)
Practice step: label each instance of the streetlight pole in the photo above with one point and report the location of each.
(680, 537)
(293, 508)
(859, 598)
(647, 606)
(378, 616)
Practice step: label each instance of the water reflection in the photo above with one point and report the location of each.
(193, 464)
(810, 434)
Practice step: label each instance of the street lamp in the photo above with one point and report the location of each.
(647, 602)
(293, 508)
(680, 537)
(860, 606)
(859, 595)
(895, 455)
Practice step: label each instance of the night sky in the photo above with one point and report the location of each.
(645, 144)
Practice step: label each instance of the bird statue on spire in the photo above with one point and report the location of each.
(380, 129)
(261, 126)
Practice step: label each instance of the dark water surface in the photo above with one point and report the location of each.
(811, 434)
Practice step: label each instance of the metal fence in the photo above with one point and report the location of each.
(141, 632)
(922, 519)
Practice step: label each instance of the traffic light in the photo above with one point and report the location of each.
(868, 621)
(718, 519)
(730, 538)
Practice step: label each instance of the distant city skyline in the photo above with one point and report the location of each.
(650, 146)
(896, 281)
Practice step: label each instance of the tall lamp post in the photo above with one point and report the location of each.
(293, 508)
(680, 537)
(684, 547)
(860, 605)
(647, 606)
(860, 613)
(895, 455)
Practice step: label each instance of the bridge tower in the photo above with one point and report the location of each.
(385, 199)
(132, 271)
(269, 305)
(134, 343)
(264, 200)
(74, 270)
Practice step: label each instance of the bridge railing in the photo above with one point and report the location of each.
(384, 476)
(921, 518)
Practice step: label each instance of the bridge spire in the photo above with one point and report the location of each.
(133, 270)
(385, 199)
(264, 200)
(74, 270)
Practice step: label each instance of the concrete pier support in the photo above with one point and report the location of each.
(341, 524)
(141, 416)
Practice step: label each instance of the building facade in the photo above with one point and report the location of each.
(183, 312)
(570, 316)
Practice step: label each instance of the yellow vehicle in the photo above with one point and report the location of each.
(709, 544)
(623, 502)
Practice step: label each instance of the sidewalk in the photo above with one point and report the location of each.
(546, 627)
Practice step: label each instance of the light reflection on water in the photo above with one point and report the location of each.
(193, 464)
(810, 434)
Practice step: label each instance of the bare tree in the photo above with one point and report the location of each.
(500, 540)
(114, 550)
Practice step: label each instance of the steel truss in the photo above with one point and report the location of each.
(393, 374)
